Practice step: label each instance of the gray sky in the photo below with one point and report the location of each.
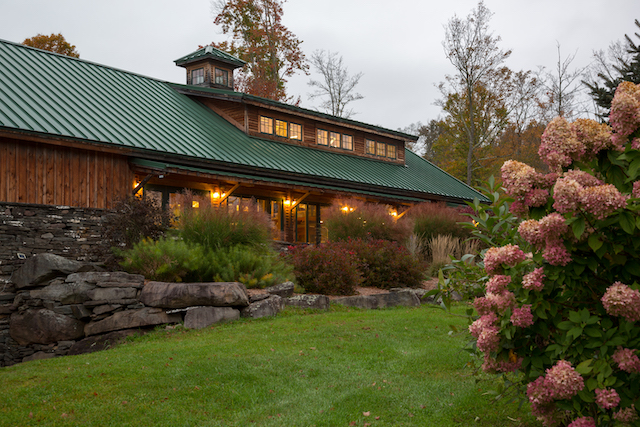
(396, 44)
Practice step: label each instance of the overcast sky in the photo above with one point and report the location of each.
(396, 44)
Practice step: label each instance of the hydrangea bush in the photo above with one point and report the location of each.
(566, 313)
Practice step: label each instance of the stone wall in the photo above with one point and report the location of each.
(27, 229)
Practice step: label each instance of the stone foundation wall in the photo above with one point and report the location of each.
(27, 229)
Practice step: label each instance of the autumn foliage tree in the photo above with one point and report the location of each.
(259, 38)
(53, 43)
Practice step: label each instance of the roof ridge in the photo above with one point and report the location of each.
(85, 61)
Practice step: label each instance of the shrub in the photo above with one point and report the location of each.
(386, 264)
(134, 219)
(165, 259)
(567, 316)
(362, 220)
(433, 219)
(178, 261)
(328, 269)
(219, 227)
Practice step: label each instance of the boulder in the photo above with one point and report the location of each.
(318, 302)
(201, 317)
(358, 301)
(112, 294)
(44, 326)
(65, 293)
(283, 290)
(182, 295)
(128, 319)
(403, 297)
(101, 342)
(116, 279)
(41, 268)
(265, 308)
(40, 355)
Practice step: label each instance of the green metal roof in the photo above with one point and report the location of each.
(54, 95)
(213, 53)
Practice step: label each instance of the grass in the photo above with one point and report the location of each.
(346, 367)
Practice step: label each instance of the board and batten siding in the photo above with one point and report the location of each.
(32, 172)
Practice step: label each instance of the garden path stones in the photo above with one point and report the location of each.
(283, 290)
(319, 302)
(44, 326)
(127, 319)
(264, 308)
(183, 295)
(201, 317)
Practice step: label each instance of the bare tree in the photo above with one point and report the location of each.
(563, 88)
(336, 87)
(474, 53)
(427, 136)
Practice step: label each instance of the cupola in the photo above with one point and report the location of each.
(210, 67)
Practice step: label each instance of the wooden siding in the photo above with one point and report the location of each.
(38, 173)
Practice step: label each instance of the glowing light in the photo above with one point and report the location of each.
(195, 204)
(216, 195)
(287, 202)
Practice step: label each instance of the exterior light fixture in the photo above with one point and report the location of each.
(287, 202)
(216, 195)
(195, 204)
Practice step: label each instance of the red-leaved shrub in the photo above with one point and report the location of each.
(328, 269)
(386, 264)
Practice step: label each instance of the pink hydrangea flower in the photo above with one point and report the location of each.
(522, 316)
(518, 178)
(509, 255)
(560, 145)
(501, 302)
(593, 135)
(539, 393)
(536, 197)
(625, 111)
(489, 339)
(621, 300)
(498, 284)
(564, 381)
(553, 226)
(602, 200)
(485, 321)
(583, 422)
(482, 306)
(607, 398)
(636, 189)
(626, 415)
(534, 280)
(556, 253)
(530, 231)
(627, 360)
(581, 177)
(566, 195)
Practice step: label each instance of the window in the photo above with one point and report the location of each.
(347, 142)
(323, 137)
(371, 147)
(295, 131)
(222, 77)
(334, 139)
(391, 151)
(197, 76)
(266, 125)
(380, 149)
(281, 128)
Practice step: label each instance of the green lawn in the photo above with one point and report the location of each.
(392, 367)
